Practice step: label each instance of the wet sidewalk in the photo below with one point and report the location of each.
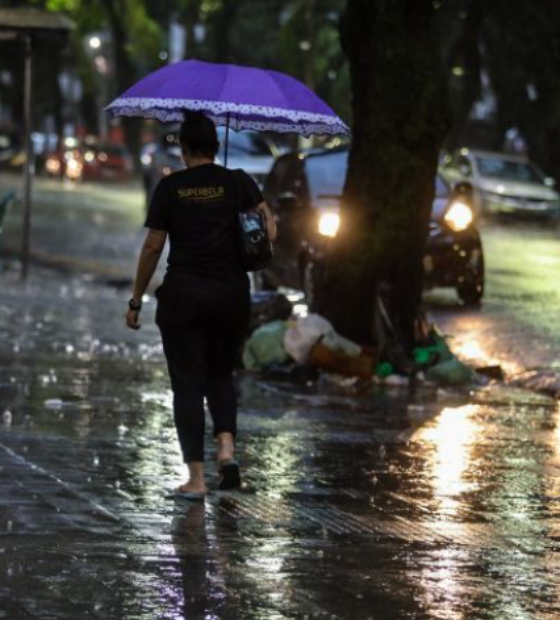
(387, 504)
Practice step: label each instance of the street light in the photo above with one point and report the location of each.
(96, 46)
(95, 42)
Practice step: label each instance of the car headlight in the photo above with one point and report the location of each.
(73, 169)
(52, 165)
(329, 224)
(459, 216)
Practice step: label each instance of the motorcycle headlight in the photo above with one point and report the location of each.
(459, 216)
(329, 224)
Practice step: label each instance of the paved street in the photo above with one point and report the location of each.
(383, 504)
(517, 324)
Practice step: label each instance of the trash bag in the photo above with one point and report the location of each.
(451, 373)
(268, 306)
(266, 346)
(384, 370)
(335, 360)
(434, 352)
(302, 335)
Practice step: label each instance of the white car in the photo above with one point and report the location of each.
(503, 184)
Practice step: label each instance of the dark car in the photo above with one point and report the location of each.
(304, 192)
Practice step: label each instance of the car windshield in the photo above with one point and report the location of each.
(508, 170)
(244, 143)
(326, 174)
(442, 189)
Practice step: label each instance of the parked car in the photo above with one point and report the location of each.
(504, 184)
(252, 151)
(64, 162)
(304, 192)
(90, 162)
(106, 161)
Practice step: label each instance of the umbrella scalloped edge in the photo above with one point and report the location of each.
(241, 116)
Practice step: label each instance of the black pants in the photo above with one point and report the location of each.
(203, 323)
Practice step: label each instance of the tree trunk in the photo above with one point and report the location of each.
(400, 118)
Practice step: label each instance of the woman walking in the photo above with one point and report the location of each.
(204, 302)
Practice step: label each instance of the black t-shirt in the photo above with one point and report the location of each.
(197, 207)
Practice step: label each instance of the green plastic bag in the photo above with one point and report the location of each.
(266, 346)
(438, 349)
(384, 370)
(451, 373)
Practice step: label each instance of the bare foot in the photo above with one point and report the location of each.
(225, 447)
(192, 486)
(224, 456)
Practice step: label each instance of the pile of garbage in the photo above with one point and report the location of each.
(311, 341)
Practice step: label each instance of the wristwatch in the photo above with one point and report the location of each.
(133, 305)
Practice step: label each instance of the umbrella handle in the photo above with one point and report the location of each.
(226, 145)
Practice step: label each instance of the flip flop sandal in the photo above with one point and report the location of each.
(190, 496)
(231, 478)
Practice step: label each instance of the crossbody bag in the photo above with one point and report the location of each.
(252, 232)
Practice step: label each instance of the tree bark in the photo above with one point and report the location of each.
(400, 118)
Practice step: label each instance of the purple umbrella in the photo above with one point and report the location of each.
(237, 97)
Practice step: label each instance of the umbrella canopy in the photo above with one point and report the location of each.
(239, 97)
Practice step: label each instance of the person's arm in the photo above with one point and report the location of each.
(270, 221)
(147, 263)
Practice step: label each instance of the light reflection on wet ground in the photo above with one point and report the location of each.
(384, 504)
(517, 325)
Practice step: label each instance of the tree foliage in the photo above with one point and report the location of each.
(296, 36)
(516, 45)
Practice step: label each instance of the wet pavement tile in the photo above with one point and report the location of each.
(380, 503)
